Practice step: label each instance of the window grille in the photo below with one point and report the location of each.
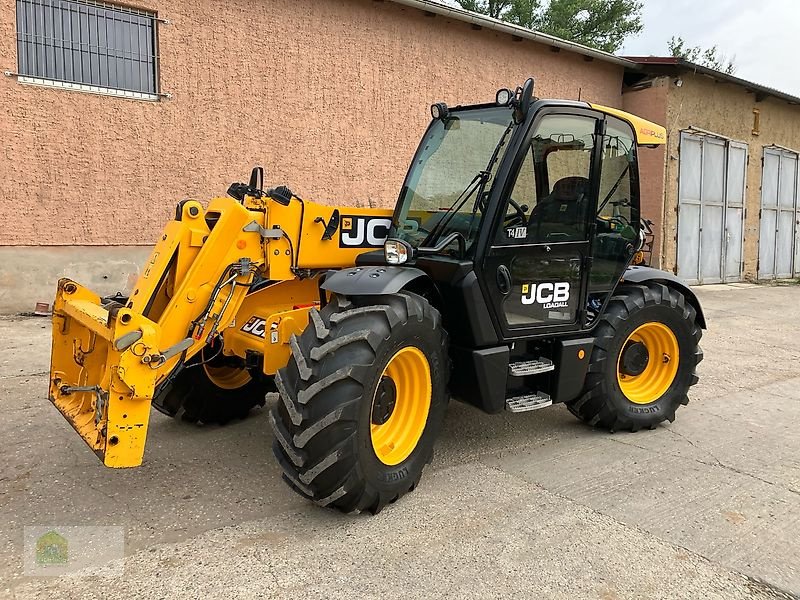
(87, 45)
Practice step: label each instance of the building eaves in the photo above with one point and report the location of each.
(482, 21)
(672, 64)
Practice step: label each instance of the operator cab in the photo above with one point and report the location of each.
(524, 213)
(505, 282)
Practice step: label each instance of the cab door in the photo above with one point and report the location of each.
(536, 265)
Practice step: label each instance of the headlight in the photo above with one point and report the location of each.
(396, 252)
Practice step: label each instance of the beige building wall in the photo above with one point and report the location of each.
(330, 97)
(725, 109)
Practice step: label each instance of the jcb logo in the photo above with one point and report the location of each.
(255, 326)
(364, 232)
(549, 295)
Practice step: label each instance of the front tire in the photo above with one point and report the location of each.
(362, 401)
(212, 394)
(644, 359)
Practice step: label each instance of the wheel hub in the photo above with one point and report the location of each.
(385, 401)
(400, 406)
(635, 357)
(648, 363)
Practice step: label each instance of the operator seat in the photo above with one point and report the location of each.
(561, 215)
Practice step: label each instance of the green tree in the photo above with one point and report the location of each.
(601, 24)
(493, 8)
(525, 13)
(710, 57)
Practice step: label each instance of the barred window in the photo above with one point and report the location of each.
(88, 45)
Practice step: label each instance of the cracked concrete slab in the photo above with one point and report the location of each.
(499, 537)
(533, 504)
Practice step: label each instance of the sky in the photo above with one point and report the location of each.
(761, 35)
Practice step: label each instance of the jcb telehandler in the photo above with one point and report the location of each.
(506, 278)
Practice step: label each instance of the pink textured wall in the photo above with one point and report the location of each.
(330, 96)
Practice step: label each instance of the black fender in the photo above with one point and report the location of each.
(371, 281)
(641, 274)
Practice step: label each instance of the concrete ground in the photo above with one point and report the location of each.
(530, 505)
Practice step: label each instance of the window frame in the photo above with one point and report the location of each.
(26, 36)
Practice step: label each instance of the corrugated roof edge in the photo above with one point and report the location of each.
(489, 23)
(680, 63)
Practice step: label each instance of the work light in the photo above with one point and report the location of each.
(504, 97)
(439, 110)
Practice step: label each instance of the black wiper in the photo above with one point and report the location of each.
(462, 198)
(478, 183)
(489, 167)
(614, 188)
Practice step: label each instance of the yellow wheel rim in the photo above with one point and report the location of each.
(400, 406)
(662, 363)
(227, 378)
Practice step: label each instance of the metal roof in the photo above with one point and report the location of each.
(482, 21)
(673, 64)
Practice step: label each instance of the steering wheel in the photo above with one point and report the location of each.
(620, 221)
(519, 217)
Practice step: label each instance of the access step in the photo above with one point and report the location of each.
(528, 402)
(531, 367)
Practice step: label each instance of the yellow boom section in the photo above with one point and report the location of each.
(211, 272)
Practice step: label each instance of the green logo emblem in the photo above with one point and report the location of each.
(51, 549)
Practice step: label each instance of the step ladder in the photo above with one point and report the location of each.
(530, 367)
(527, 402)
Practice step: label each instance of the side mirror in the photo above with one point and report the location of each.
(524, 102)
(397, 252)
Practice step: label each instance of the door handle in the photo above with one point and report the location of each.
(503, 280)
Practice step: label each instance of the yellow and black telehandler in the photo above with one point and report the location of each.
(507, 275)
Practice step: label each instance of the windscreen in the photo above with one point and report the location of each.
(448, 183)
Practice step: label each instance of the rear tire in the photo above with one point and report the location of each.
(633, 309)
(335, 388)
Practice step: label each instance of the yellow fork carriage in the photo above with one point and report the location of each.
(240, 276)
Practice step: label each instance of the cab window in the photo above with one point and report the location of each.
(618, 184)
(550, 199)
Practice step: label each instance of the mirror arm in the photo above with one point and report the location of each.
(444, 243)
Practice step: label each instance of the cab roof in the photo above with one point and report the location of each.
(647, 132)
